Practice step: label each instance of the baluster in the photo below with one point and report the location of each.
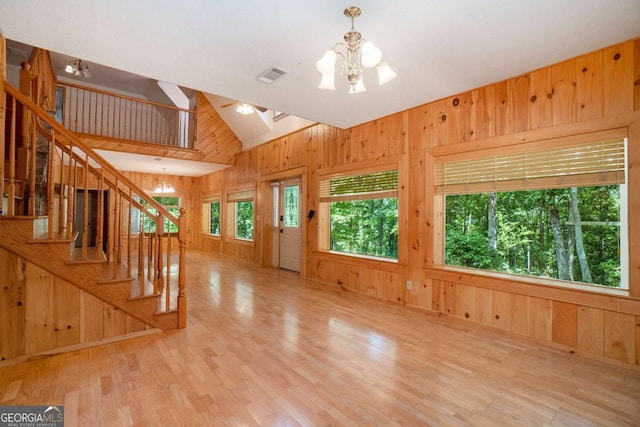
(158, 284)
(118, 223)
(76, 126)
(150, 258)
(85, 208)
(11, 189)
(129, 219)
(182, 274)
(33, 169)
(50, 184)
(62, 221)
(141, 275)
(70, 191)
(168, 284)
(100, 213)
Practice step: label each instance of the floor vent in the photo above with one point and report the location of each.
(271, 74)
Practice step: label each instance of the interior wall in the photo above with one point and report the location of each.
(594, 92)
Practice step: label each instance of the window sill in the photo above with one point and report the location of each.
(238, 241)
(385, 264)
(211, 236)
(538, 281)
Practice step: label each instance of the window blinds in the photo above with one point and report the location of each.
(240, 196)
(587, 164)
(376, 185)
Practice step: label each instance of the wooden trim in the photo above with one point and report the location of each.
(633, 209)
(618, 303)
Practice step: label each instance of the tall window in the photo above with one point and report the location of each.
(362, 213)
(555, 213)
(172, 204)
(211, 216)
(240, 214)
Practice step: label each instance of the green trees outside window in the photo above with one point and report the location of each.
(172, 204)
(244, 220)
(566, 233)
(211, 217)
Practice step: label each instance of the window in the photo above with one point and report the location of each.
(172, 204)
(240, 214)
(557, 213)
(362, 212)
(211, 216)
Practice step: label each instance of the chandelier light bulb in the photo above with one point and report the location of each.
(385, 73)
(371, 55)
(327, 64)
(244, 108)
(358, 87)
(327, 82)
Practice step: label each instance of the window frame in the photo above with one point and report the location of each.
(205, 228)
(363, 168)
(439, 248)
(232, 198)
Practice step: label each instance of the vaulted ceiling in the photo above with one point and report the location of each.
(437, 48)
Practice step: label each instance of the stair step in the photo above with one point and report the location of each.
(57, 237)
(94, 255)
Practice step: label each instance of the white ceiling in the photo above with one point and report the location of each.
(437, 48)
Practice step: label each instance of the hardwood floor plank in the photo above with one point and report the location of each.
(264, 347)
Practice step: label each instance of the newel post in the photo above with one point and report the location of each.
(182, 273)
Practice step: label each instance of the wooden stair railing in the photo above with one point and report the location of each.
(70, 169)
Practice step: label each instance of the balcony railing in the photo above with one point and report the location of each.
(99, 114)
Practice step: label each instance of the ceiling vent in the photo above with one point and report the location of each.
(271, 74)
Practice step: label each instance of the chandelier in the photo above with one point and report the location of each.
(163, 187)
(357, 54)
(78, 68)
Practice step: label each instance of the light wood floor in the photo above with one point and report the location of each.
(264, 347)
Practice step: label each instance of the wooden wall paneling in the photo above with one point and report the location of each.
(450, 297)
(39, 321)
(520, 314)
(469, 116)
(636, 75)
(564, 324)
(637, 340)
(12, 307)
(390, 135)
(374, 287)
(501, 109)
(541, 319)
(589, 86)
(131, 324)
(590, 334)
(619, 336)
(439, 123)
(618, 78)
(501, 310)
(540, 96)
(483, 306)
(518, 92)
(455, 124)
(114, 321)
(396, 287)
(66, 313)
(465, 302)
(415, 233)
(438, 296)
(485, 112)
(364, 143)
(91, 318)
(563, 80)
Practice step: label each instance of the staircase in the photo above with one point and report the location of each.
(48, 180)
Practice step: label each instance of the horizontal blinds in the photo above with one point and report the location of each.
(376, 185)
(211, 198)
(240, 196)
(595, 163)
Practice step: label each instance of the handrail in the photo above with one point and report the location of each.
(84, 147)
(130, 98)
(97, 113)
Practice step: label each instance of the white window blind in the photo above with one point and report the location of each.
(240, 196)
(377, 185)
(587, 164)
